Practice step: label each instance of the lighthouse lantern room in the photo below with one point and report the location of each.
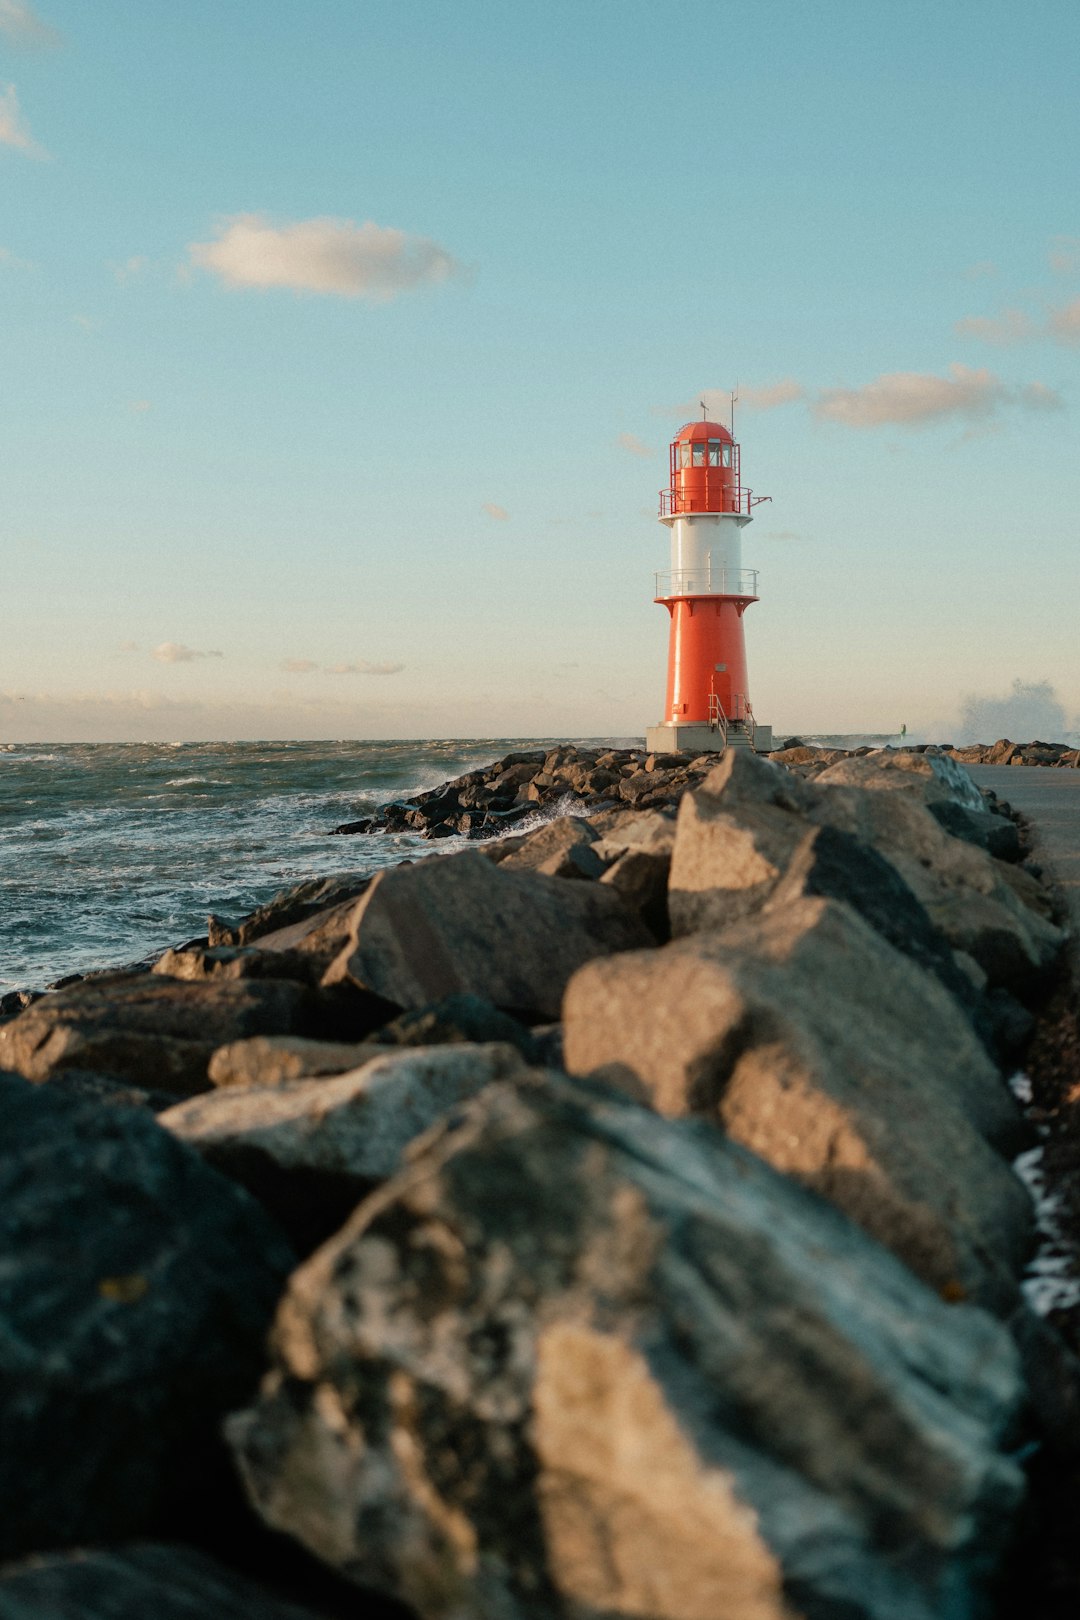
(706, 592)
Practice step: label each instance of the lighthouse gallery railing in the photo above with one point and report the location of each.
(707, 582)
(674, 502)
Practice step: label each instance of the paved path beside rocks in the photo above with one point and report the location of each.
(1052, 800)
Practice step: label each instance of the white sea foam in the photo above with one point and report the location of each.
(1051, 1280)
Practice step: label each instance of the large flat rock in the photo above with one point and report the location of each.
(818, 1045)
(157, 1033)
(310, 1149)
(459, 923)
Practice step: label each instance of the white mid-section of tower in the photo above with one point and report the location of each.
(706, 552)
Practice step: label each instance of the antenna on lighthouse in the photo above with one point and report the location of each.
(734, 397)
(704, 410)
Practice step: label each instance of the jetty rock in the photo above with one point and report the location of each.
(310, 1149)
(577, 1359)
(461, 924)
(140, 1581)
(138, 1286)
(814, 1042)
(488, 803)
(151, 1031)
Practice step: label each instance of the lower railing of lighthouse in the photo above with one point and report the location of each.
(742, 714)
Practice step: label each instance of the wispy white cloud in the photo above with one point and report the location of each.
(324, 255)
(13, 130)
(1064, 255)
(362, 667)
(174, 652)
(141, 406)
(493, 510)
(1063, 324)
(635, 446)
(11, 261)
(1037, 396)
(20, 24)
(298, 666)
(979, 271)
(89, 323)
(128, 647)
(748, 396)
(1011, 326)
(768, 397)
(130, 268)
(1060, 324)
(916, 399)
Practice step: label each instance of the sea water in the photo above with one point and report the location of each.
(109, 852)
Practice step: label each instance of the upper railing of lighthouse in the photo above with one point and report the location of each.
(705, 474)
(676, 502)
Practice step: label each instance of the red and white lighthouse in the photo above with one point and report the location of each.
(707, 591)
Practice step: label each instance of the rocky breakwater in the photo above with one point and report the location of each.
(487, 803)
(613, 1219)
(1004, 752)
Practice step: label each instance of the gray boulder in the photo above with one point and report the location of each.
(943, 785)
(561, 848)
(136, 1582)
(469, 1018)
(737, 834)
(820, 1047)
(264, 1060)
(310, 1149)
(459, 924)
(579, 1361)
(982, 905)
(932, 777)
(196, 964)
(155, 1032)
(136, 1287)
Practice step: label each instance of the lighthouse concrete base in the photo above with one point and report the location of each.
(701, 738)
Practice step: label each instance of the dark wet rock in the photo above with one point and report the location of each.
(486, 803)
(309, 1150)
(823, 1049)
(142, 1581)
(136, 1286)
(102, 1088)
(640, 878)
(459, 924)
(14, 1002)
(291, 906)
(577, 1360)
(154, 1032)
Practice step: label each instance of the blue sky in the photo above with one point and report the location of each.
(341, 345)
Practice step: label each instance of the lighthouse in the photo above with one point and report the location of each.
(707, 592)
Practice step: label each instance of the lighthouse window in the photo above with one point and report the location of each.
(699, 455)
(727, 455)
(714, 452)
(684, 455)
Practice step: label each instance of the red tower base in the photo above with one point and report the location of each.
(706, 659)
